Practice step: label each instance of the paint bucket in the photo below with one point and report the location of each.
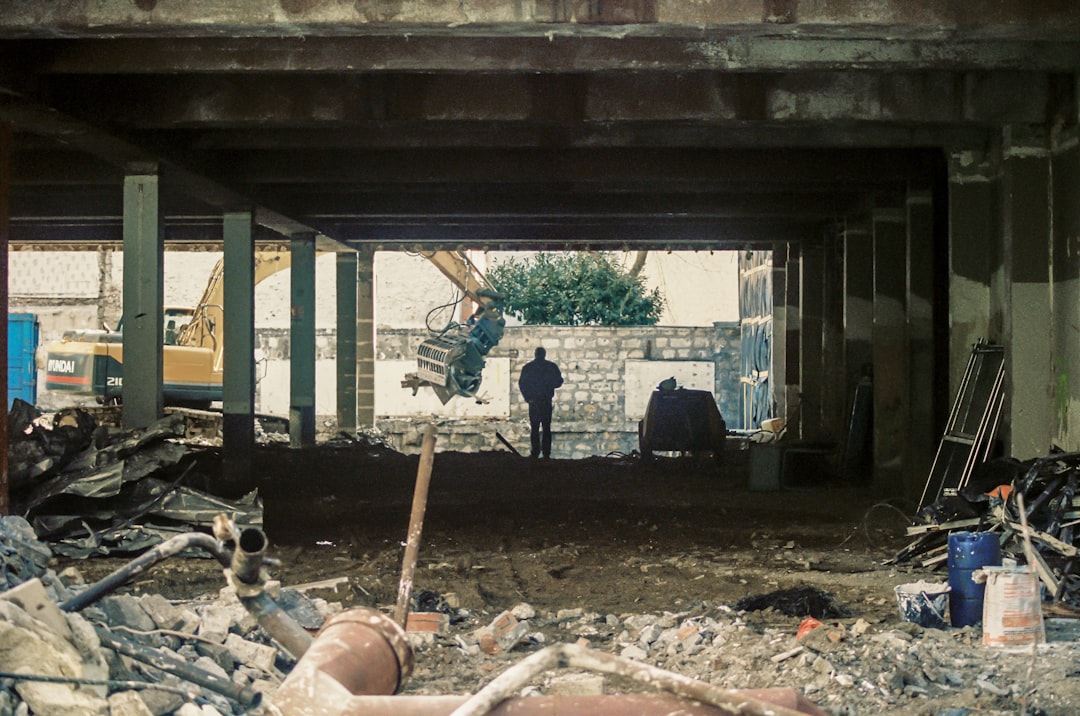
(969, 551)
(1012, 607)
(923, 603)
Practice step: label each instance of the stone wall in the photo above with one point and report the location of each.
(606, 373)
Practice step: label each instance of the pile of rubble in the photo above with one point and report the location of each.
(846, 666)
(129, 655)
(94, 489)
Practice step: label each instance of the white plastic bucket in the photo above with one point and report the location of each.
(1012, 608)
(923, 603)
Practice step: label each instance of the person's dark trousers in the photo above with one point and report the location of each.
(540, 422)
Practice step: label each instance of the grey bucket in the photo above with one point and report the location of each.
(923, 603)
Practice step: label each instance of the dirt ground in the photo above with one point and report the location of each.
(608, 535)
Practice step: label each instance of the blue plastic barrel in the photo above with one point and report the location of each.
(969, 551)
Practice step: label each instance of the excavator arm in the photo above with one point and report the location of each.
(451, 361)
(204, 329)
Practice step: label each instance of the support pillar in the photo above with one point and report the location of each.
(1065, 162)
(793, 351)
(347, 290)
(365, 338)
(974, 228)
(858, 304)
(858, 352)
(778, 343)
(302, 341)
(922, 440)
(144, 263)
(890, 352)
(1026, 219)
(238, 366)
(811, 345)
(5, 238)
(834, 383)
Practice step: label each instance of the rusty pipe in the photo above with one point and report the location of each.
(247, 578)
(168, 548)
(786, 700)
(358, 652)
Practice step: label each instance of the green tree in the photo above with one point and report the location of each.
(575, 289)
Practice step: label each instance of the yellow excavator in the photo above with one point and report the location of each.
(91, 362)
(451, 360)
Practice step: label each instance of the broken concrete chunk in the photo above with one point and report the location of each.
(215, 622)
(523, 611)
(163, 613)
(127, 703)
(577, 685)
(124, 610)
(159, 702)
(31, 597)
(60, 699)
(220, 654)
(259, 656)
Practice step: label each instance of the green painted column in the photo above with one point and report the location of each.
(347, 289)
(858, 302)
(144, 264)
(302, 341)
(238, 364)
(835, 397)
(365, 338)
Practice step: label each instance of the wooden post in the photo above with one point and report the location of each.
(416, 525)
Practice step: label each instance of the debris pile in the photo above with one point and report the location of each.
(991, 502)
(91, 489)
(129, 654)
(846, 666)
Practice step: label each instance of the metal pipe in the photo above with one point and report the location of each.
(416, 524)
(168, 548)
(787, 701)
(159, 660)
(358, 652)
(248, 580)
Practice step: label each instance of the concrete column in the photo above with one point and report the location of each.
(922, 437)
(302, 342)
(811, 345)
(778, 342)
(858, 284)
(793, 350)
(144, 265)
(974, 228)
(834, 395)
(238, 361)
(858, 303)
(1065, 164)
(890, 352)
(1026, 221)
(365, 338)
(346, 341)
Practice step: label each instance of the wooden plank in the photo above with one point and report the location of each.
(923, 529)
(1064, 548)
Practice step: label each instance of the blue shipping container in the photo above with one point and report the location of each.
(22, 346)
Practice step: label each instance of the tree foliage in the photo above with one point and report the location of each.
(575, 289)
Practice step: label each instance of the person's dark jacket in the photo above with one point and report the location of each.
(539, 379)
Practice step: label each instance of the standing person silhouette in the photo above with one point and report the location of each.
(539, 379)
